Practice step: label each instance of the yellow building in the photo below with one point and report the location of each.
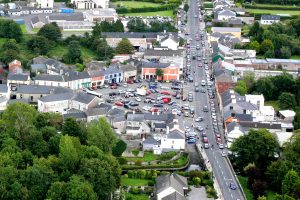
(226, 30)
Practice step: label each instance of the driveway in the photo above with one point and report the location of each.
(198, 193)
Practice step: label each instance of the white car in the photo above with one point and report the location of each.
(224, 154)
(138, 99)
(124, 84)
(121, 92)
(187, 129)
(146, 108)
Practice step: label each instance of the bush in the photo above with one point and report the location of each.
(123, 10)
(135, 190)
(138, 162)
(196, 181)
(151, 183)
(135, 152)
(211, 192)
(208, 182)
(167, 156)
(119, 148)
(122, 161)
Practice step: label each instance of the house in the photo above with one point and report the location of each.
(136, 125)
(76, 80)
(233, 131)
(100, 110)
(58, 103)
(224, 77)
(228, 30)
(164, 56)
(269, 19)
(50, 80)
(170, 41)
(231, 116)
(78, 115)
(99, 15)
(15, 67)
(283, 64)
(83, 101)
(117, 119)
(44, 3)
(150, 143)
(170, 71)
(90, 4)
(247, 20)
(36, 22)
(97, 77)
(15, 79)
(225, 15)
(174, 140)
(38, 68)
(238, 11)
(113, 74)
(129, 72)
(171, 187)
(287, 115)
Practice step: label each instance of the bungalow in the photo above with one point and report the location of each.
(269, 19)
(170, 71)
(225, 15)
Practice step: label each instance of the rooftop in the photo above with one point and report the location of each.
(225, 29)
(84, 98)
(78, 16)
(169, 53)
(270, 17)
(173, 180)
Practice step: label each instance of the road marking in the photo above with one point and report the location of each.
(231, 195)
(222, 172)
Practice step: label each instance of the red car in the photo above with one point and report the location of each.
(153, 110)
(218, 140)
(205, 139)
(119, 103)
(148, 92)
(218, 135)
(130, 81)
(165, 92)
(113, 87)
(199, 65)
(175, 94)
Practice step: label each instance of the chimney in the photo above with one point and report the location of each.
(234, 100)
(61, 72)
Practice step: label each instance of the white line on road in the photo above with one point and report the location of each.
(231, 195)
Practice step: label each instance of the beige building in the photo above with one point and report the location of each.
(228, 30)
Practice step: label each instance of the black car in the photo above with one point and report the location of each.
(133, 104)
(158, 105)
(112, 94)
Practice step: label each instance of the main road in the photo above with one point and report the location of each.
(221, 169)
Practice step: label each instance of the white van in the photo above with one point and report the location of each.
(203, 83)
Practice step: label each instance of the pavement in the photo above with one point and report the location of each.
(222, 173)
(198, 193)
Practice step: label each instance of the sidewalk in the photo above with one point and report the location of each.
(209, 168)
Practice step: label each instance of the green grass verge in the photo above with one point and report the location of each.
(275, 104)
(166, 13)
(135, 4)
(133, 181)
(23, 28)
(273, 12)
(274, 5)
(148, 156)
(137, 196)
(243, 182)
(297, 57)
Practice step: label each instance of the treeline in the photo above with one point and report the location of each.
(267, 165)
(156, 1)
(279, 2)
(283, 88)
(266, 7)
(44, 157)
(138, 25)
(275, 41)
(123, 10)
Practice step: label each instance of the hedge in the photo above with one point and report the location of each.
(146, 9)
(265, 7)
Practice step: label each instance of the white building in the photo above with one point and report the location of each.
(90, 4)
(106, 14)
(44, 3)
(58, 103)
(269, 19)
(224, 15)
(174, 140)
(170, 41)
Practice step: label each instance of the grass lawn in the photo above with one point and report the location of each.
(133, 181)
(23, 28)
(137, 196)
(148, 156)
(275, 104)
(135, 4)
(273, 12)
(276, 5)
(166, 13)
(243, 181)
(295, 57)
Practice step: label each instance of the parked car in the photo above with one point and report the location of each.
(119, 103)
(232, 186)
(205, 140)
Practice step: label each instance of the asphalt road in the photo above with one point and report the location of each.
(221, 169)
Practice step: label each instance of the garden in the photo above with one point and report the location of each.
(272, 9)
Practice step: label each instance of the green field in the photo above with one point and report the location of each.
(23, 28)
(148, 156)
(166, 13)
(273, 12)
(135, 4)
(275, 104)
(276, 5)
(133, 181)
(137, 196)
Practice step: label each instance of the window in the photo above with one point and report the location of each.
(119, 74)
(115, 75)
(231, 108)
(110, 76)
(244, 111)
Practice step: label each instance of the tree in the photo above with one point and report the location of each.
(136, 25)
(68, 154)
(291, 179)
(285, 52)
(103, 50)
(254, 29)
(124, 47)
(39, 45)
(74, 53)
(264, 86)
(159, 73)
(57, 191)
(73, 128)
(266, 46)
(262, 198)
(51, 32)
(255, 46)
(257, 147)
(100, 134)
(78, 188)
(241, 87)
(10, 29)
(291, 150)
(287, 101)
(9, 55)
(119, 148)
(186, 7)
(118, 26)
(96, 32)
(275, 173)
(11, 44)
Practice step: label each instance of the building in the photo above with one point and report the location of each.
(36, 22)
(228, 30)
(58, 103)
(16, 79)
(99, 15)
(287, 115)
(44, 3)
(171, 42)
(170, 71)
(269, 19)
(225, 15)
(15, 67)
(136, 125)
(224, 79)
(90, 4)
(171, 187)
(174, 140)
(129, 72)
(97, 77)
(113, 74)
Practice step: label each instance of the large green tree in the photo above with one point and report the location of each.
(291, 183)
(74, 54)
(287, 101)
(39, 45)
(124, 47)
(241, 87)
(68, 153)
(257, 147)
(51, 32)
(10, 29)
(137, 25)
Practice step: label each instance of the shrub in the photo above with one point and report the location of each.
(196, 181)
(135, 152)
(135, 190)
(122, 161)
(138, 162)
(148, 190)
(211, 192)
(208, 183)
(167, 156)
(151, 183)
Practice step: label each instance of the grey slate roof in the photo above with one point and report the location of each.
(78, 16)
(174, 196)
(160, 125)
(35, 20)
(84, 97)
(137, 117)
(127, 68)
(175, 134)
(115, 112)
(36, 67)
(247, 105)
(163, 117)
(96, 112)
(240, 117)
(119, 118)
(226, 97)
(154, 65)
(150, 140)
(49, 77)
(12, 101)
(270, 17)
(170, 36)
(35, 89)
(77, 114)
(18, 77)
(57, 97)
(96, 73)
(3, 88)
(260, 125)
(231, 126)
(112, 69)
(168, 53)
(147, 35)
(70, 75)
(171, 180)
(227, 13)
